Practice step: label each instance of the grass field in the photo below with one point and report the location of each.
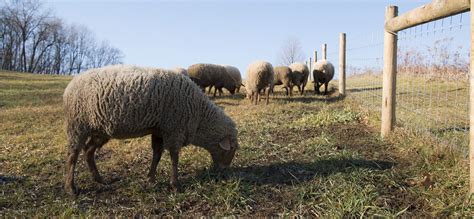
(304, 155)
(434, 107)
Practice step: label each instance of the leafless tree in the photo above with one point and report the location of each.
(33, 40)
(290, 52)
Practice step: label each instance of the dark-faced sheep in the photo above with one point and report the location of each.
(301, 73)
(323, 73)
(259, 77)
(119, 102)
(283, 76)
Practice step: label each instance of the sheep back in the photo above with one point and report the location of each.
(260, 75)
(323, 71)
(283, 76)
(301, 73)
(127, 101)
(182, 71)
(207, 74)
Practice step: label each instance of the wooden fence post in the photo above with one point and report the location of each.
(389, 75)
(471, 108)
(342, 64)
(325, 47)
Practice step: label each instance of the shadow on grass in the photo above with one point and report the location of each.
(294, 172)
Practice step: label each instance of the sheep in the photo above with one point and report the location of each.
(283, 76)
(323, 73)
(301, 73)
(231, 80)
(212, 75)
(120, 102)
(259, 76)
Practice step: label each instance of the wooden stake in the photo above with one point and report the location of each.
(389, 75)
(342, 64)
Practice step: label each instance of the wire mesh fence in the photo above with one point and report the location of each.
(432, 78)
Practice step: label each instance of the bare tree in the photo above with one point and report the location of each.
(33, 40)
(291, 52)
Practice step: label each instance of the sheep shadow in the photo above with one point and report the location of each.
(293, 172)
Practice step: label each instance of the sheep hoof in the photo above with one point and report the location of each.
(176, 187)
(72, 190)
(151, 179)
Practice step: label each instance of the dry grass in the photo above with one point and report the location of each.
(310, 155)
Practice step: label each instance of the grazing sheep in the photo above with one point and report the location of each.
(212, 75)
(234, 72)
(323, 73)
(301, 73)
(283, 76)
(231, 80)
(126, 102)
(259, 76)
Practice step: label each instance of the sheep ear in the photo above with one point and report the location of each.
(225, 143)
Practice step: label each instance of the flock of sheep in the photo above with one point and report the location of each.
(260, 76)
(119, 102)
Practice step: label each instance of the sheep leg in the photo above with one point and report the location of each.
(220, 92)
(326, 88)
(174, 153)
(157, 146)
(256, 98)
(268, 96)
(299, 89)
(209, 91)
(316, 87)
(90, 149)
(71, 166)
(302, 89)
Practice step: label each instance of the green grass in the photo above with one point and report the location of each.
(434, 107)
(310, 155)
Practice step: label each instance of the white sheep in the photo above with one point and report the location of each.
(259, 76)
(301, 73)
(323, 73)
(126, 102)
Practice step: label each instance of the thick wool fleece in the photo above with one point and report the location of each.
(127, 101)
(302, 72)
(323, 71)
(259, 76)
(207, 74)
(180, 70)
(232, 79)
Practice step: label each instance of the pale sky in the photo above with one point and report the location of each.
(181, 33)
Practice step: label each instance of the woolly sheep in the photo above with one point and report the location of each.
(301, 73)
(259, 76)
(323, 73)
(126, 102)
(283, 76)
(212, 75)
(231, 80)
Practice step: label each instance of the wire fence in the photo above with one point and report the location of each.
(432, 78)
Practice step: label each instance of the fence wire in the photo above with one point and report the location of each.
(432, 89)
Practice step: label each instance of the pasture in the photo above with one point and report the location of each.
(302, 155)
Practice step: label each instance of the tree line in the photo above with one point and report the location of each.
(34, 40)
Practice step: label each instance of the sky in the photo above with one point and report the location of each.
(171, 34)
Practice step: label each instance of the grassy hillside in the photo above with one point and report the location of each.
(310, 155)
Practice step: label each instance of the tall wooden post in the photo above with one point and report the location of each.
(389, 75)
(342, 64)
(315, 56)
(325, 47)
(471, 108)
